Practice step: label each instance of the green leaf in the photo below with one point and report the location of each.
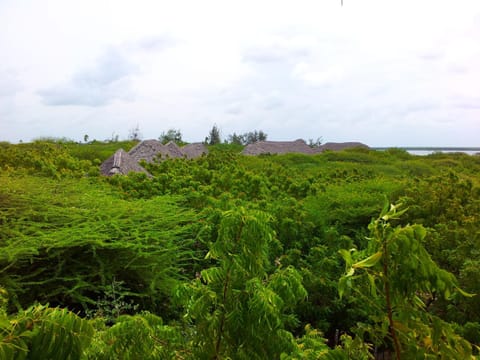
(369, 261)
(343, 285)
(464, 293)
(347, 256)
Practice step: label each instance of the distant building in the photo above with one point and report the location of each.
(333, 146)
(120, 163)
(278, 147)
(153, 150)
(149, 151)
(297, 146)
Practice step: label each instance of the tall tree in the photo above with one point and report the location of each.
(240, 310)
(396, 280)
(213, 136)
(255, 136)
(134, 133)
(236, 139)
(247, 138)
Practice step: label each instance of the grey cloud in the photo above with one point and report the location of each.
(86, 95)
(110, 68)
(103, 83)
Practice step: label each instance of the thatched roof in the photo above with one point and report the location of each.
(152, 150)
(332, 146)
(194, 150)
(277, 147)
(146, 150)
(120, 163)
(297, 146)
(173, 150)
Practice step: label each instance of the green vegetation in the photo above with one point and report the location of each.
(171, 135)
(247, 138)
(230, 256)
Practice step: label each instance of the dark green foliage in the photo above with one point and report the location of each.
(213, 137)
(247, 138)
(65, 245)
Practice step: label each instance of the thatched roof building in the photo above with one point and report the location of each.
(153, 150)
(297, 146)
(149, 151)
(195, 150)
(120, 163)
(146, 150)
(333, 146)
(277, 147)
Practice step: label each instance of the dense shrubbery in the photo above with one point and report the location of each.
(234, 256)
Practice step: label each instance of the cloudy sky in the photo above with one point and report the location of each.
(384, 72)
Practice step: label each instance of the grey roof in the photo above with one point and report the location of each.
(120, 163)
(146, 150)
(152, 150)
(194, 150)
(172, 150)
(297, 146)
(278, 147)
(333, 146)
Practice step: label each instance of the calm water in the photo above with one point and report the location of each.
(428, 152)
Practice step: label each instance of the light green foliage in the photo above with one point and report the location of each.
(311, 346)
(44, 333)
(119, 245)
(395, 278)
(237, 308)
(143, 336)
(43, 158)
(449, 206)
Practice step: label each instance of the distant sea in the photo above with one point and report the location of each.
(430, 150)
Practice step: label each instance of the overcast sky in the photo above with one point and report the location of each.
(383, 72)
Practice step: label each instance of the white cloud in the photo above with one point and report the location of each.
(9, 83)
(316, 76)
(371, 70)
